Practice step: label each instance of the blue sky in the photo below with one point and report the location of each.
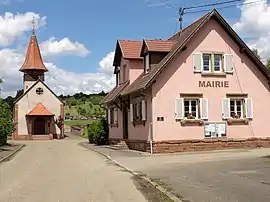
(80, 54)
(99, 23)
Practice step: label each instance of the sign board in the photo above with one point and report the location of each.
(214, 84)
(215, 129)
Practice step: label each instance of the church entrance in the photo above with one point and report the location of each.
(39, 126)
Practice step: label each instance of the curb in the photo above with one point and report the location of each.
(169, 194)
(8, 157)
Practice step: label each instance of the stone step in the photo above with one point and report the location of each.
(119, 146)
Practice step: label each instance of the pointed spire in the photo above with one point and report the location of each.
(33, 59)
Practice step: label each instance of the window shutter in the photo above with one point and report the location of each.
(197, 62)
(109, 116)
(249, 108)
(143, 110)
(226, 112)
(131, 112)
(204, 108)
(179, 108)
(115, 115)
(228, 63)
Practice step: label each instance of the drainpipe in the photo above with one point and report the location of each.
(151, 122)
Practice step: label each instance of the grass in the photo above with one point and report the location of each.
(77, 122)
(74, 112)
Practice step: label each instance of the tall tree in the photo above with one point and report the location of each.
(255, 51)
(268, 64)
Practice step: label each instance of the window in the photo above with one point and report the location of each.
(138, 111)
(113, 115)
(191, 109)
(212, 62)
(217, 63)
(206, 62)
(146, 63)
(39, 91)
(236, 108)
(124, 73)
(117, 78)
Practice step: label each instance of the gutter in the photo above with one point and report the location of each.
(151, 122)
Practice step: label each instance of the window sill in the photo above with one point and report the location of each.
(187, 122)
(213, 74)
(232, 121)
(138, 122)
(114, 125)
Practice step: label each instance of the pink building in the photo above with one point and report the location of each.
(200, 89)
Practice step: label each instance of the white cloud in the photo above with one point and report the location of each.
(254, 22)
(13, 26)
(60, 80)
(65, 46)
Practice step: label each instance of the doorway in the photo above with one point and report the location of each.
(39, 126)
(125, 122)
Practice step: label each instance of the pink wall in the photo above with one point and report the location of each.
(135, 69)
(179, 77)
(140, 132)
(117, 132)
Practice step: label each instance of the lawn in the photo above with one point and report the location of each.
(77, 122)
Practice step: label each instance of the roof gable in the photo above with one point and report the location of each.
(182, 39)
(29, 89)
(156, 45)
(128, 49)
(39, 110)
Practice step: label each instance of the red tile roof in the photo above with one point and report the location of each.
(180, 40)
(159, 45)
(130, 49)
(33, 59)
(40, 110)
(114, 93)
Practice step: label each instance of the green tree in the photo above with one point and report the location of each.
(7, 126)
(268, 64)
(255, 51)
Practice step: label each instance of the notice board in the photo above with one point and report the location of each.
(215, 129)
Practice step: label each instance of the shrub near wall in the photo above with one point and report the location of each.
(7, 126)
(98, 132)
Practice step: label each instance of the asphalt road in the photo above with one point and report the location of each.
(63, 171)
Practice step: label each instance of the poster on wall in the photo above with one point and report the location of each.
(215, 129)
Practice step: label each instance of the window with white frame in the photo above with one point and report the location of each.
(206, 62)
(213, 62)
(113, 115)
(191, 108)
(138, 111)
(237, 108)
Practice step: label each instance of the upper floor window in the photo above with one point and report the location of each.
(213, 62)
(124, 73)
(146, 63)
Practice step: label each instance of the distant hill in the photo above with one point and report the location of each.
(79, 104)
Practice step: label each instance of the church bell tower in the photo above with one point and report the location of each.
(33, 66)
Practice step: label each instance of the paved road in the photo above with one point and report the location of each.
(63, 171)
(213, 176)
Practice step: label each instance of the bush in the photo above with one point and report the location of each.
(98, 132)
(7, 126)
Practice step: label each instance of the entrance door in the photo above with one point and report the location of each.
(125, 122)
(39, 126)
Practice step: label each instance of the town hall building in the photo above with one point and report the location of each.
(38, 112)
(201, 89)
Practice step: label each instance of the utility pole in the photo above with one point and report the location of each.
(180, 19)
